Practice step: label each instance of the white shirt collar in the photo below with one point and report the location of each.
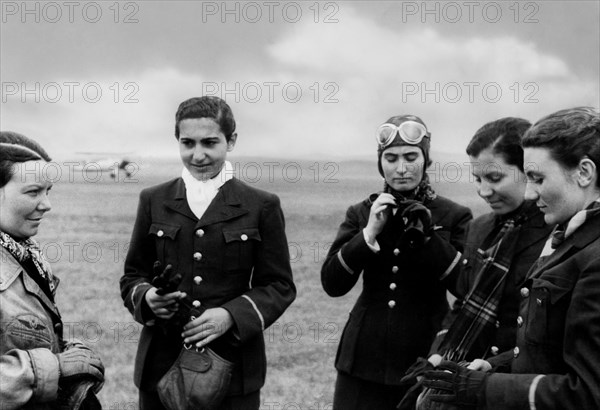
(201, 193)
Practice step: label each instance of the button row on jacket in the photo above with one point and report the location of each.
(396, 252)
(495, 350)
(516, 352)
(392, 303)
(160, 233)
(395, 269)
(392, 286)
(525, 292)
(200, 233)
(197, 279)
(197, 256)
(196, 303)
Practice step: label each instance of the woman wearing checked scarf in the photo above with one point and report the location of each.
(38, 369)
(403, 241)
(500, 248)
(555, 363)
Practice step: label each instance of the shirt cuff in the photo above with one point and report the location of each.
(375, 246)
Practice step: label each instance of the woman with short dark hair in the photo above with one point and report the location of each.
(555, 364)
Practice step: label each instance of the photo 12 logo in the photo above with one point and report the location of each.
(453, 92)
(70, 12)
(70, 91)
(269, 12)
(470, 11)
(273, 91)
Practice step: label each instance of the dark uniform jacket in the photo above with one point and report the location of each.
(403, 300)
(236, 257)
(556, 361)
(532, 237)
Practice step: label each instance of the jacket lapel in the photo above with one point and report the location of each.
(225, 206)
(585, 234)
(532, 233)
(179, 202)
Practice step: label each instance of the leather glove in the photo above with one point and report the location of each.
(413, 377)
(417, 369)
(163, 280)
(417, 221)
(457, 385)
(79, 362)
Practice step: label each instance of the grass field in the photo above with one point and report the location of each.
(85, 238)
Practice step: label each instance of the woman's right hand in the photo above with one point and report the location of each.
(380, 212)
(163, 306)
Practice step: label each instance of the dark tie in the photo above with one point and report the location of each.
(558, 236)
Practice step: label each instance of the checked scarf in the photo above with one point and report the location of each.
(480, 306)
(29, 249)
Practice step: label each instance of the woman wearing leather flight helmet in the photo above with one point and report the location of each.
(403, 299)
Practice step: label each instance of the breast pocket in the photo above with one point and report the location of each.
(240, 245)
(165, 237)
(547, 310)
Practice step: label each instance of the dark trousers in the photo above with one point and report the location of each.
(149, 400)
(352, 393)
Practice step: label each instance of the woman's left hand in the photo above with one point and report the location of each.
(211, 324)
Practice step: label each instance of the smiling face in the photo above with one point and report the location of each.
(24, 200)
(203, 147)
(554, 188)
(403, 167)
(501, 185)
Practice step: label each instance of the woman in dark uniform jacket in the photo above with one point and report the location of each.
(403, 299)
(496, 158)
(556, 362)
(227, 241)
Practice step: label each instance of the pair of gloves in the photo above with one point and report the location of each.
(417, 220)
(452, 384)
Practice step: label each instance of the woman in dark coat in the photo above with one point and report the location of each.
(404, 241)
(555, 364)
(227, 241)
(473, 330)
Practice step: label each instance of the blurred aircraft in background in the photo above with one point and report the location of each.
(110, 162)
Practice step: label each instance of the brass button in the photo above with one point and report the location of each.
(465, 261)
(516, 352)
(197, 256)
(396, 252)
(391, 303)
(525, 292)
(494, 350)
(196, 303)
(197, 279)
(395, 269)
(244, 237)
(519, 321)
(392, 286)
(160, 233)
(200, 233)
(497, 324)
(539, 302)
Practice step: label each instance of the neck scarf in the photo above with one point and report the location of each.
(26, 250)
(201, 193)
(480, 307)
(422, 193)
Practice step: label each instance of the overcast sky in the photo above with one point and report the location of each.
(304, 79)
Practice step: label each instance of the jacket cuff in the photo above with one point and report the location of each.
(247, 317)
(355, 253)
(46, 374)
(510, 391)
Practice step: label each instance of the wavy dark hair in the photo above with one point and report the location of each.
(570, 135)
(207, 107)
